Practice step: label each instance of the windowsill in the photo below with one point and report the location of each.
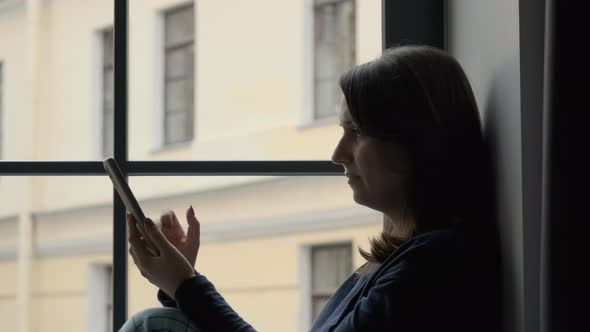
(173, 147)
(321, 122)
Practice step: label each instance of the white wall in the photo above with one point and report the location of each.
(484, 37)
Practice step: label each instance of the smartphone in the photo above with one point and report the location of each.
(124, 191)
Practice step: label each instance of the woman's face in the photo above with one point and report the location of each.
(377, 171)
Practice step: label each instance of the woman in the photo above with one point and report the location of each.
(412, 148)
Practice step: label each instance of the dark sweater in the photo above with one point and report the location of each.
(445, 280)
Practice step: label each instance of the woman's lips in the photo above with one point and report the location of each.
(352, 178)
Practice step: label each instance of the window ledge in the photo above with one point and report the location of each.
(172, 147)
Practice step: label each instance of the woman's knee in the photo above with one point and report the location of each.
(159, 319)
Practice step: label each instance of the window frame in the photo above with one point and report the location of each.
(391, 35)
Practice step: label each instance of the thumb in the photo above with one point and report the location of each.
(193, 232)
(156, 236)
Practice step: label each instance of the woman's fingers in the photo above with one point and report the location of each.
(174, 220)
(136, 242)
(133, 234)
(194, 227)
(171, 227)
(156, 236)
(132, 253)
(169, 220)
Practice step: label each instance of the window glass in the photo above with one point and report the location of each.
(67, 223)
(257, 79)
(57, 74)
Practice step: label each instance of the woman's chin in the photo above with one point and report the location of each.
(358, 197)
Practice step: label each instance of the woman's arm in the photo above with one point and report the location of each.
(166, 300)
(172, 273)
(200, 301)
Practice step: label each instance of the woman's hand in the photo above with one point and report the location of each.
(187, 243)
(167, 270)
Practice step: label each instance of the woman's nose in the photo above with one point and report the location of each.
(340, 156)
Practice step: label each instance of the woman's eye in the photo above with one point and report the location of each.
(356, 131)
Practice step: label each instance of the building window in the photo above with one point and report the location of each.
(109, 301)
(330, 266)
(334, 51)
(178, 75)
(108, 93)
(100, 298)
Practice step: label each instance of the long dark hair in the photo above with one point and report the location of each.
(420, 97)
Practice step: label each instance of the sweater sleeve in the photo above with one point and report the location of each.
(200, 301)
(166, 300)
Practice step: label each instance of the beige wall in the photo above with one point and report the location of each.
(66, 69)
(12, 27)
(60, 293)
(8, 294)
(12, 55)
(266, 272)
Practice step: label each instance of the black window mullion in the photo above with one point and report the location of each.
(168, 168)
(238, 168)
(411, 22)
(120, 154)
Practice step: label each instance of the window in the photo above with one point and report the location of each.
(153, 168)
(334, 51)
(178, 75)
(108, 70)
(100, 298)
(109, 302)
(330, 266)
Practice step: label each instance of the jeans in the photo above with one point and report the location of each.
(159, 319)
